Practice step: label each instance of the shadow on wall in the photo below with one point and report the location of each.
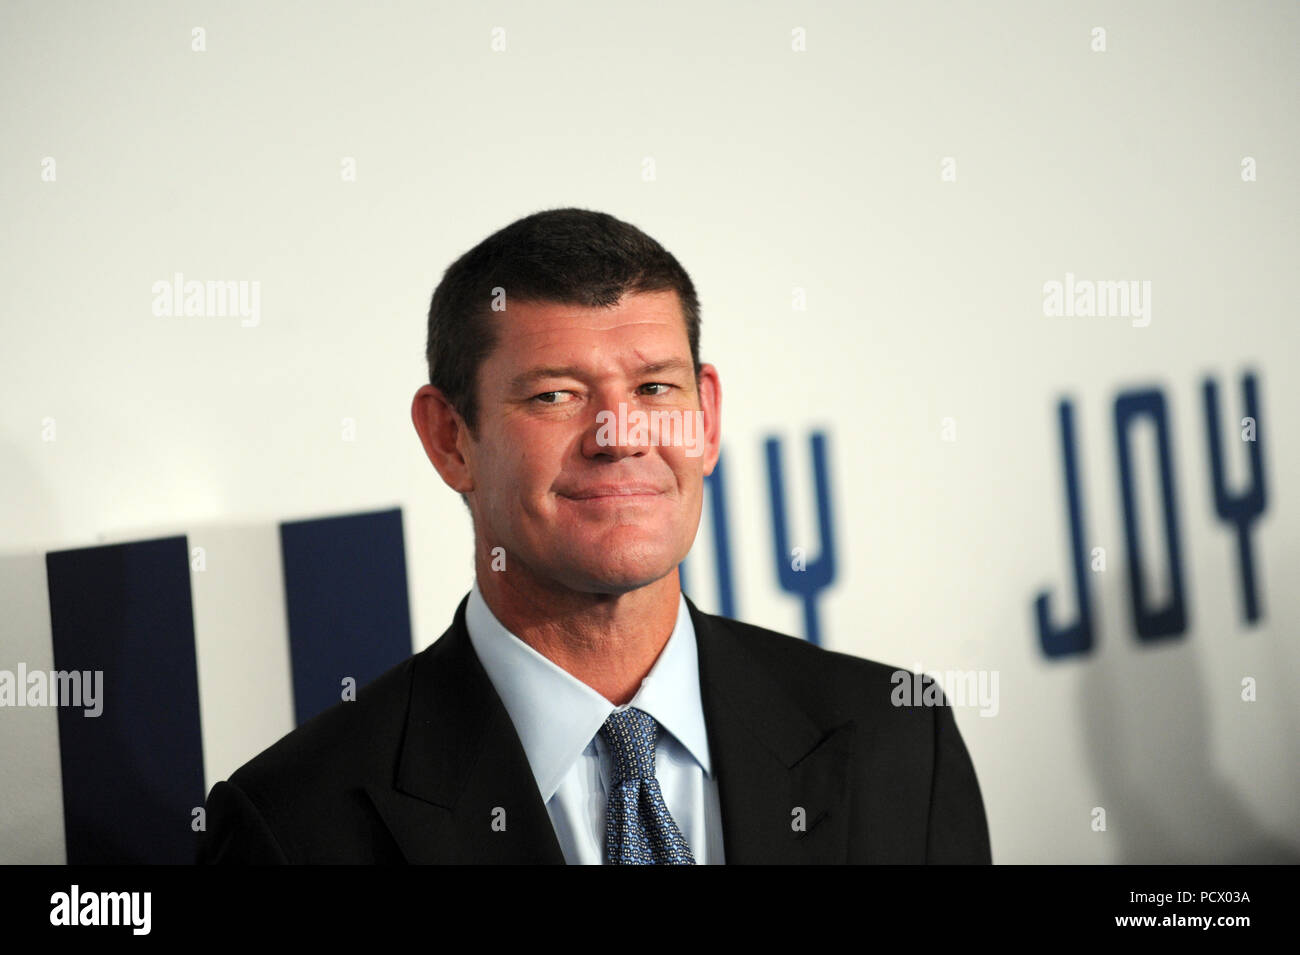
(1145, 709)
(31, 787)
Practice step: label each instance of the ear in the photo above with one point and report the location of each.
(445, 437)
(710, 388)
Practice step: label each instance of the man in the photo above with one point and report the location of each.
(580, 709)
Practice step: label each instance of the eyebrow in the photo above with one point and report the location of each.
(523, 379)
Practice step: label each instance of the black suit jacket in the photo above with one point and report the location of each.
(419, 766)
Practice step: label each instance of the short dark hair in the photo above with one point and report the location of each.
(566, 256)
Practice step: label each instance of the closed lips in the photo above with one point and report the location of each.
(623, 490)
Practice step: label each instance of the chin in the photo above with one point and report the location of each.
(614, 574)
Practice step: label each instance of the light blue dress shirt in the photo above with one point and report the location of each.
(558, 717)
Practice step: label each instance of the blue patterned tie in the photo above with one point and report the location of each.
(638, 827)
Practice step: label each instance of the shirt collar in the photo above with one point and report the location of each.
(556, 714)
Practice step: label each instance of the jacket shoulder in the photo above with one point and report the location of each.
(812, 673)
(931, 809)
(351, 741)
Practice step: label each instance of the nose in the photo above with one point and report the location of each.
(614, 433)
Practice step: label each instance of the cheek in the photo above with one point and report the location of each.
(525, 473)
(687, 470)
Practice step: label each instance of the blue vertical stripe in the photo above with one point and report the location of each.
(133, 775)
(345, 592)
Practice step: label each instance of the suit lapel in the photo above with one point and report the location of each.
(781, 776)
(463, 791)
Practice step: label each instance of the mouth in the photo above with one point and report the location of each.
(615, 494)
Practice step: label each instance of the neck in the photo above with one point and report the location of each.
(608, 641)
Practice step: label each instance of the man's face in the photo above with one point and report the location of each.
(571, 503)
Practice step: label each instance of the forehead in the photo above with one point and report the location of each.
(529, 331)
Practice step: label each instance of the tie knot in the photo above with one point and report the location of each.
(631, 734)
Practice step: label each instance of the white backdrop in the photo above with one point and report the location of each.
(916, 171)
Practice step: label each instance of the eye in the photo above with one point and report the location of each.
(547, 394)
(658, 384)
